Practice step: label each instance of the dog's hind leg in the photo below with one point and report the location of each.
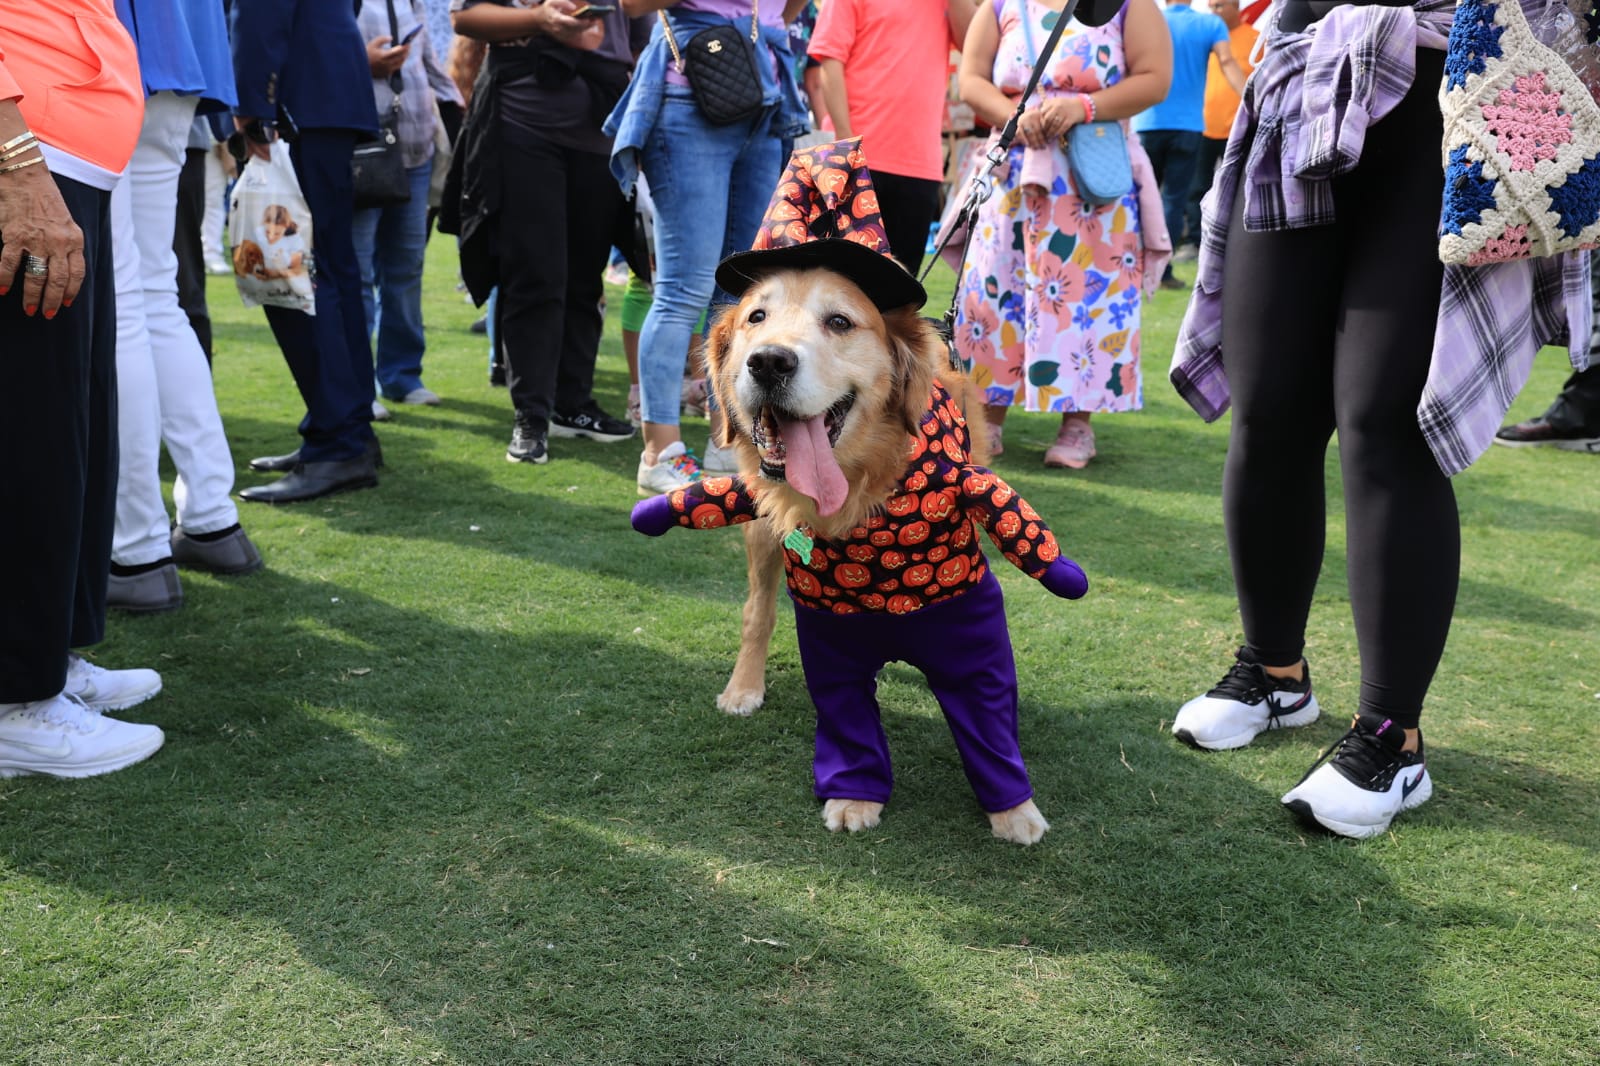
(748, 686)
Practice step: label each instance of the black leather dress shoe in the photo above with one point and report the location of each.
(309, 481)
(282, 464)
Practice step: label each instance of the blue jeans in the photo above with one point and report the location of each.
(390, 243)
(1174, 154)
(711, 185)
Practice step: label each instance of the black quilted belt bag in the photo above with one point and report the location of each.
(720, 63)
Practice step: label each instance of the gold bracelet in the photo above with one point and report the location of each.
(8, 156)
(18, 139)
(21, 166)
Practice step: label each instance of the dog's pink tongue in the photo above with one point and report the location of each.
(809, 466)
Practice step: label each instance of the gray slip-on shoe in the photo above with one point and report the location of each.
(233, 554)
(147, 593)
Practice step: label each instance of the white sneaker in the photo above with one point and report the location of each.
(719, 460)
(1246, 702)
(63, 738)
(100, 689)
(675, 468)
(380, 413)
(420, 395)
(1358, 792)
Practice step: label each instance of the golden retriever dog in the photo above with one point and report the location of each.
(856, 478)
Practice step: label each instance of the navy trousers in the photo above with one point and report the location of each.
(58, 494)
(329, 353)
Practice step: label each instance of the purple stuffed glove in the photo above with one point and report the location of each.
(1065, 578)
(653, 517)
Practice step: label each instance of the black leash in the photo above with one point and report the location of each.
(979, 191)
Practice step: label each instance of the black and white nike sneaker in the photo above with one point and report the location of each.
(1246, 702)
(1364, 785)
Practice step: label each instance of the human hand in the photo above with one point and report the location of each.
(1059, 114)
(557, 22)
(1065, 578)
(383, 60)
(35, 225)
(261, 150)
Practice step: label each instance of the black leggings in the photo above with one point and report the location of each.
(1332, 328)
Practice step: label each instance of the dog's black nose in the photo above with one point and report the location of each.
(772, 364)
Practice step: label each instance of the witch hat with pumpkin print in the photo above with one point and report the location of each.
(825, 214)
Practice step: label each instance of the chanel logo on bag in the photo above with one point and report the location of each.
(714, 47)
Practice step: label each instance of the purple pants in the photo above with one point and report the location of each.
(962, 647)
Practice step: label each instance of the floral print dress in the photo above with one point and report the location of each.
(1048, 304)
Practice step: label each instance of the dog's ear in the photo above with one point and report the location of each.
(915, 349)
(718, 346)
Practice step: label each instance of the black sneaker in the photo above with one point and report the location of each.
(1247, 701)
(593, 423)
(527, 445)
(1364, 785)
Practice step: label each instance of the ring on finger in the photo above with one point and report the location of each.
(34, 266)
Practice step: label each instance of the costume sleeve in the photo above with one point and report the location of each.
(1019, 532)
(709, 503)
(260, 32)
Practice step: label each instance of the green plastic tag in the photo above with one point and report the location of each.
(799, 542)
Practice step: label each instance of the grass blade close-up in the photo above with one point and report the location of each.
(446, 783)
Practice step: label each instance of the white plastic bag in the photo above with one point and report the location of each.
(269, 229)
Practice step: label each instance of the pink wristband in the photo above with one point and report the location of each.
(1088, 106)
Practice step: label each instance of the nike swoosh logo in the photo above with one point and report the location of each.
(59, 751)
(1406, 789)
(1280, 708)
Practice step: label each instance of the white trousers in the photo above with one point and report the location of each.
(164, 390)
(216, 209)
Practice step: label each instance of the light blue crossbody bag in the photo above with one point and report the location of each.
(1097, 152)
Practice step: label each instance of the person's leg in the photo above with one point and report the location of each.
(364, 236)
(187, 246)
(216, 212)
(402, 242)
(593, 202)
(688, 163)
(531, 302)
(1156, 145)
(329, 353)
(191, 426)
(1204, 172)
(140, 538)
(910, 207)
(1183, 155)
(52, 585)
(1402, 528)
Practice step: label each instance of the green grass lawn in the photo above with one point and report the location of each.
(446, 784)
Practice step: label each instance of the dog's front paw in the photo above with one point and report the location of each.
(854, 815)
(740, 701)
(1022, 824)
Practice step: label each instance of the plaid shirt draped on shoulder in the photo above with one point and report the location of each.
(1310, 102)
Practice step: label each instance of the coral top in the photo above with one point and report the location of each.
(74, 72)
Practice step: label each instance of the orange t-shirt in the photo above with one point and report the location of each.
(48, 44)
(896, 70)
(1221, 100)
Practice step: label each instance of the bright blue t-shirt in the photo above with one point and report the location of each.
(1194, 34)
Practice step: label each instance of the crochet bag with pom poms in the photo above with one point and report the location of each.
(1521, 135)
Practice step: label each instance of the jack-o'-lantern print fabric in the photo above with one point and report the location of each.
(921, 547)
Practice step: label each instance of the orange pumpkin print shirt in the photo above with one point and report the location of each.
(920, 547)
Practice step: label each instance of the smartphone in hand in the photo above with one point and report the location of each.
(594, 11)
(408, 38)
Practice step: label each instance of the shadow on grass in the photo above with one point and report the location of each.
(587, 864)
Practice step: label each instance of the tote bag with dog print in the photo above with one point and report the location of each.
(269, 235)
